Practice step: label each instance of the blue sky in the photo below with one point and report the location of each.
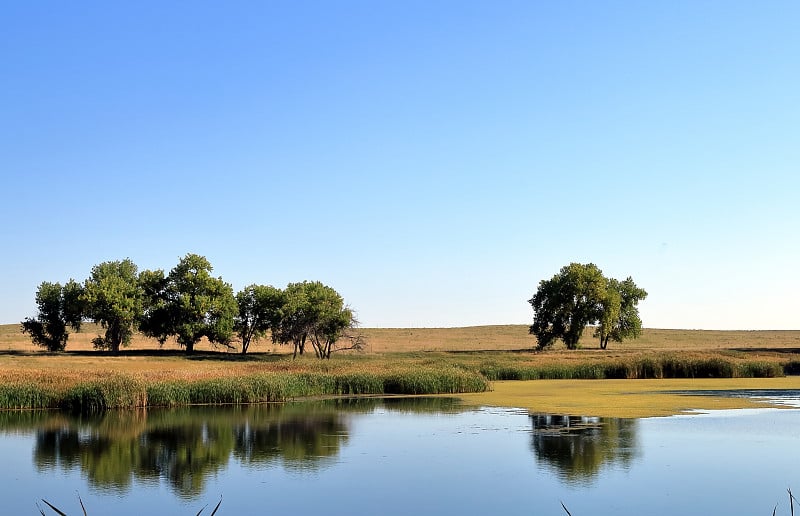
(432, 161)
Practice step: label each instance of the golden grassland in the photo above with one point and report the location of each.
(496, 352)
(515, 337)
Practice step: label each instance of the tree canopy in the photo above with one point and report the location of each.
(189, 304)
(579, 295)
(259, 312)
(622, 307)
(113, 298)
(59, 307)
(314, 311)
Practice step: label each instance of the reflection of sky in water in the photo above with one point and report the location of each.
(398, 461)
(786, 397)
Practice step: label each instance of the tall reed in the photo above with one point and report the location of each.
(663, 366)
(120, 391)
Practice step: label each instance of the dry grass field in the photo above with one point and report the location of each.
(515, 337)
(512, 337)
(464, 345)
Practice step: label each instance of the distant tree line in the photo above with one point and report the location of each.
(579, 295)
(188, 303)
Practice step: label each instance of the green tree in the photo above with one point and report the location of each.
(58, 307)
(579, 295)
(295, 318)
(113, 298)
(620, 318)
(566, 303)
(188, 303)
(155, 320)
(313, 311)
(259, 312)
(331, 318)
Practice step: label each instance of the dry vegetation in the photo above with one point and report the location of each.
(386, 347)
(515, 337)
(511, 337)
(491, 352)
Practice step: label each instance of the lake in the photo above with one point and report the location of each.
(398, 456)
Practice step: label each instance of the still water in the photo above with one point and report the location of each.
(398, 456)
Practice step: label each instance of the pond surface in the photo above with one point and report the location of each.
(398, 456)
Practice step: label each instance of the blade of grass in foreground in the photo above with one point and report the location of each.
(216, 507)
(52, 507)
(83, 508)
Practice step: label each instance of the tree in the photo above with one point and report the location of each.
(155, 320)
(113, 298)
(330, 318)
(295, 317)
(317, 312)
(566, 303)
(259, 312)
(188, 303)
(580, 295)
(59, 307)
(621, 312)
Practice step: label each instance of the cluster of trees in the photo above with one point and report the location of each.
(579, 295)
(188, 303)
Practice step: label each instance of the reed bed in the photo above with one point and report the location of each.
(128, 392)
(656, 367)
(260, 381)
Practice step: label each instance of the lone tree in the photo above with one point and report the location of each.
(580, 295)
(188, 303)
(113, 298)
(259, 312)
(59, 307)
(313, 311)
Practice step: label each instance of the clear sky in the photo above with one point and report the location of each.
(430, 160)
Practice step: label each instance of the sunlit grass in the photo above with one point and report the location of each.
(114, 391)
(398, 361)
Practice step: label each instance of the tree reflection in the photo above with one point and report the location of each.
(103, 447)
(184, 447)
(298, 441)
(577, 448)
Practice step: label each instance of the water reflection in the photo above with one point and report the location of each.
(184, 447)
(577, 448)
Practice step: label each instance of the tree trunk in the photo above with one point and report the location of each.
(190, 348)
